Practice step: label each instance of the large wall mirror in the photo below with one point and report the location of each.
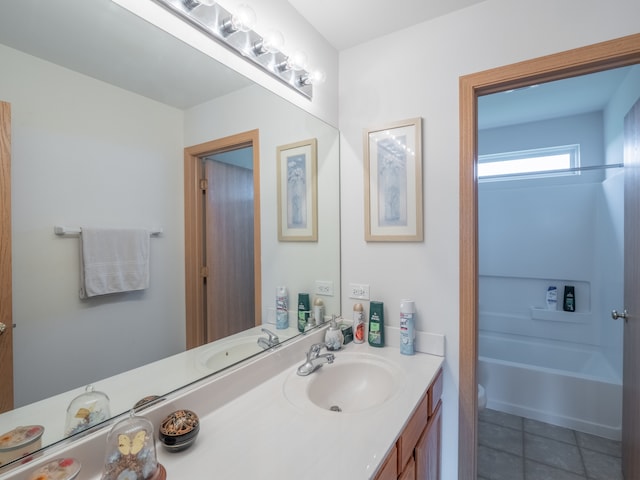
(103, 105)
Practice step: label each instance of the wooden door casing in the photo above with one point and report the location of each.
(6, 314)
(195, 289)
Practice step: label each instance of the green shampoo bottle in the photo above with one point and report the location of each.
(376, 324)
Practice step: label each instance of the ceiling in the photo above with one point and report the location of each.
(561, 98)
(348, 23)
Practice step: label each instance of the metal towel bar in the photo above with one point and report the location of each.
(62, 230)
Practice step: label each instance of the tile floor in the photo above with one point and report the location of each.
(516, 448)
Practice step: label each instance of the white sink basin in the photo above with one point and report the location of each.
(226, 353)
(352, 383)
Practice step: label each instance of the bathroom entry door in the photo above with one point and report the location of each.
(631, 373)
(6, 318)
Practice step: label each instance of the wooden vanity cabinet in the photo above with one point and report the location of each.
(416, 454)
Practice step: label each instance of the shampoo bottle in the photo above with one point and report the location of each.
(407, 327)
(304, 309)
(376, 324)
(282, 308)
(569, 304)
(552, 298)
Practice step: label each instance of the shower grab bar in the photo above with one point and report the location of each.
(71, 231)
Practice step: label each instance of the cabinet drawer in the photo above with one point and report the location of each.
(435, 392)
(413, 430)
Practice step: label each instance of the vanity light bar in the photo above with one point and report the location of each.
(213, 21)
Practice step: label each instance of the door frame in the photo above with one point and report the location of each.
(615, 53)
(195, 293)
(6, 295)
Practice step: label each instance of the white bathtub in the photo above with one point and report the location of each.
(555, 382)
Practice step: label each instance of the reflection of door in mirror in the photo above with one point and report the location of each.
(229, 255)
(6, 319)
(223, 267)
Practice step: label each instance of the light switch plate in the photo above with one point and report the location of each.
(359, 291)
(324, 287)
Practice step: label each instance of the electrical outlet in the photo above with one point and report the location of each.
(359, 291)
(324, 287)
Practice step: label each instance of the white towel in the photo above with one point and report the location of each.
(113, 260)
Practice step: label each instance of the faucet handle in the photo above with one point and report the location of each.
(314, 351)
(273, 338)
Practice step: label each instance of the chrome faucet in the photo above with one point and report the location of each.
(267, 343)
(315, 360)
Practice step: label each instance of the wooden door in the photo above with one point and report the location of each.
(229, 252)
(631, 370)
(6, 315)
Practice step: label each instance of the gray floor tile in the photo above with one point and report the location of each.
(599, 444)
(500, 438)
(538, 471)
(498, 465)
(550, 452)
(553, 453)
(550, 431)
(500, 418)
(602, 467)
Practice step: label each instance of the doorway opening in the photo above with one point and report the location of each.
(546, 235)
(607, 55)
(222, 237)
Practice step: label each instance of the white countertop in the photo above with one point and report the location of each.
(125, 389)
(250, 430)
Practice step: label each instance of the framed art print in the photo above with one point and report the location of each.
(297, 192)
(393, 182)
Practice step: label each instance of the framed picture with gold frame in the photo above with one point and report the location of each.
(297, 192)
(393, 182)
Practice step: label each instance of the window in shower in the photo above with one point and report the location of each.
(537, 163)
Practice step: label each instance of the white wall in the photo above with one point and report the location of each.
(614, 113)
(88, 154)
(415, 72)
(294, 264)
(538, 232)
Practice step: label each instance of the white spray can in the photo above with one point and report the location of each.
(407, 327)
(282, 308)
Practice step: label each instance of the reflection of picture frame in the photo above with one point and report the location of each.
(393, 182)
(297, 192)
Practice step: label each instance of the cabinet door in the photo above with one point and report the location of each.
(427, 452)
(389, 470)
(409, 472)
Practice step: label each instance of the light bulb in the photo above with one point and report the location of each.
(244, 18)
(317, 77)
(298, 61)
(273, 41)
